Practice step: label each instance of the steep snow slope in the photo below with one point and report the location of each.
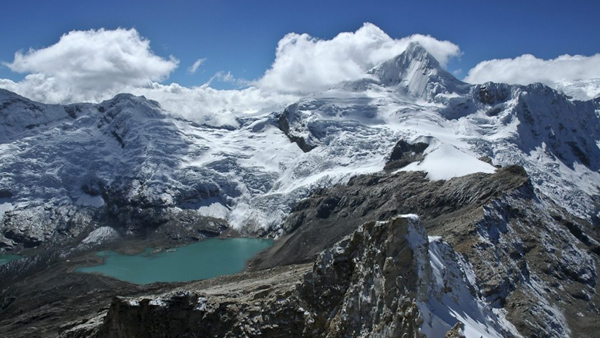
(580, 90)
(63, 165)
(61, 160)
(418, 74)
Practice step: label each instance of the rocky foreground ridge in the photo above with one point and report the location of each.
(371, 283)
(498, 262)
(527, 256)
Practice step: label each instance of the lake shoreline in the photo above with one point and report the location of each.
(7, 258)
(44, 289)
(49, 277)
(205, 259)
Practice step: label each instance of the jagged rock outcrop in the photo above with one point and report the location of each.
(405, 153)
(368, 284)
(284, 124)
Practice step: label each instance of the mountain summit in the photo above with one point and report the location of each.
(418, 73)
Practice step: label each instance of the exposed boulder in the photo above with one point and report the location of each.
(284, 124)
(405, 153)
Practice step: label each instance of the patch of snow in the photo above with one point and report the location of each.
(417, 240)
(100, 235)
(216, 210)
(201, 305)
(412, 217)
(446, 162)
(555, 319)
(158, 302)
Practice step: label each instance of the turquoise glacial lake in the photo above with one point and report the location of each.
(8, 258)
(202, 260)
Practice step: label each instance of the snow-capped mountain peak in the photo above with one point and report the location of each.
(417, 73)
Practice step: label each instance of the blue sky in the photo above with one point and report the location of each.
(241, 36)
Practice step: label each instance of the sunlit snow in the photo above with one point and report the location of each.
(447, 162)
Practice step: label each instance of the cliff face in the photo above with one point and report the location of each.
(525, 256)
(316, 223)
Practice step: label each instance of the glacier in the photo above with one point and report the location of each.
(68, 163)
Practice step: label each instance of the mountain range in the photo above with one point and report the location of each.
(505, 180)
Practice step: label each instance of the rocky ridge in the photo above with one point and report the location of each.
(375, 282)
(524, 255)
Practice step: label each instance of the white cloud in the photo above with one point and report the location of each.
(88, 65)
(214, 107)
(223, 77)
(193, 68)
(226, 77)
(304, 64)
(95, 65)
(527, 69)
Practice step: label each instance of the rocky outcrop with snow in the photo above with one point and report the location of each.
(69, 169)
